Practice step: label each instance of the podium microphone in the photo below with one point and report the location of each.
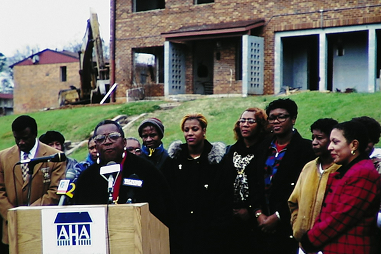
(132, 181)
(58, 157)
(64, 186)
(110, 172)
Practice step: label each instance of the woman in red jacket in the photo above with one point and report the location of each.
(347, 221)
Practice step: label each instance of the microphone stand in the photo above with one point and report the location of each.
(110, 188)
(30, 173)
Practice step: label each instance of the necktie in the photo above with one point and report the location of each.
(24, 167)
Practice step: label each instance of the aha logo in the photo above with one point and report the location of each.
(73, 228)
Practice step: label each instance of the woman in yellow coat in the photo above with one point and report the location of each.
(306, 199)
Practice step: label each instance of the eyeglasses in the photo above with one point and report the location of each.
(248, 120)
(133, 149)
(280, 118)
(113, 136)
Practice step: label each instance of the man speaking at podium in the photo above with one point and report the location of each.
(14, 165)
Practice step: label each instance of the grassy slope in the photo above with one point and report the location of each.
(76, 123)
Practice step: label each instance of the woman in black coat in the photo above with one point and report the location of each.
(201, 190)
(278, 165)
(249, 130)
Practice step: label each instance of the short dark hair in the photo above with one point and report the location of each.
(51, 136)
(24, 121)
(325, 125)
(373, 127)
(132, 138)
(104, 122)
(354, 130)
(286, 104)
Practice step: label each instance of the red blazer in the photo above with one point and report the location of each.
(347, 221)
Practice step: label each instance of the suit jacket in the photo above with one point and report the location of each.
(13, 190)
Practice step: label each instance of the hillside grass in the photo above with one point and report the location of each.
(77, 123)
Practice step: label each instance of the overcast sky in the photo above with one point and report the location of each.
(48, 23)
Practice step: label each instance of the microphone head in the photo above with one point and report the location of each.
(111, 163)
(70, 175)
(58, 157)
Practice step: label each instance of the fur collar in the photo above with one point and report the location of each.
(176, 149)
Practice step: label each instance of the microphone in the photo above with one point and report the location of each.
(58, 157)
(132, 181)
(110, 172)
(64, 186)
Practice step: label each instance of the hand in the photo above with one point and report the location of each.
(242, 213)
(268, 224)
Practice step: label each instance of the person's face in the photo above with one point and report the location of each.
(109, 149)
(92, 150)
(339, 148)
(280, 121)
(369, 148)
(57, 145)
(194, 134)
(25, 139)
(320, 142)
(150, 137)
(246, 128)
(133, 147)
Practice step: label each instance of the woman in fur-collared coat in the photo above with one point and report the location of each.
(201, 190)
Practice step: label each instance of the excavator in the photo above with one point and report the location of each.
(93, 70)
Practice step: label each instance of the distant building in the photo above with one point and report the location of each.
(246, 47)
(6, 104)
(39, 78)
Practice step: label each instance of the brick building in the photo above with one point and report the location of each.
(39, 78)
(245, 46)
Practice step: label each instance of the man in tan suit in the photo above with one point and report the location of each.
(14, 185)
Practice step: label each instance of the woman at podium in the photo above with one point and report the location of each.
(121, 177)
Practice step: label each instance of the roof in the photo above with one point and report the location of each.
(48, 56)
(73, 217)
(209, 31)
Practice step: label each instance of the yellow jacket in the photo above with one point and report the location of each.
(306, 199)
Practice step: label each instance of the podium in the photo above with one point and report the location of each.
(131, 229)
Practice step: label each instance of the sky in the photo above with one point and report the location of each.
(48, 23)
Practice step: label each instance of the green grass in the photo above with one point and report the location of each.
(77, 123)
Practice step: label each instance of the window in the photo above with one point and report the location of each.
(149, 65)
(63, 73)
(147, 5)
(203, 1)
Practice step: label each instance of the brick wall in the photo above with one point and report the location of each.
(37, 86)
(143, 29)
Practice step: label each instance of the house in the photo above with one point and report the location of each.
(6, 104)
(39, 78)
(246, 47)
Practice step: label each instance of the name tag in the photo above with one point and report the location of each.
(132, 182)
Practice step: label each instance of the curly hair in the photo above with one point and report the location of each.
(197, 116)
(261, 119)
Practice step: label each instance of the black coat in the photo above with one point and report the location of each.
(299, 152)
(92, 188)
(202, 195)
(244, 233)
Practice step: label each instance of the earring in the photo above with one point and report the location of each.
(353, 152)
(98, 160)
(124, 152)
